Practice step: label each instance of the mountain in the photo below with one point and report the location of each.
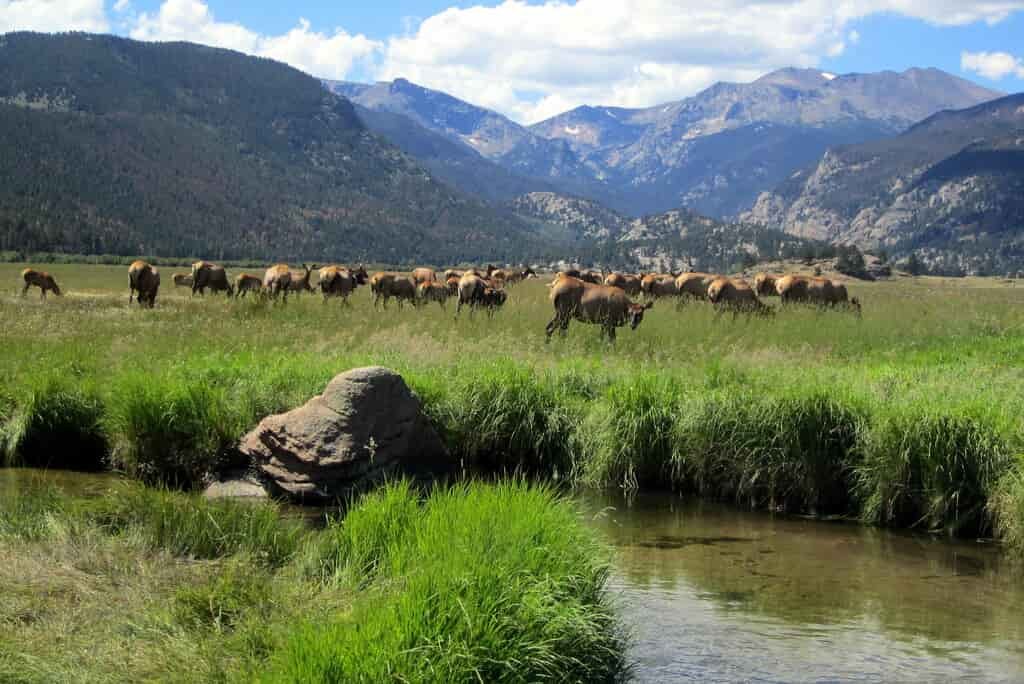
(490, 134)
(116, 146)
(951, 186)
(447, 160)
(714, 152)
(672, 240)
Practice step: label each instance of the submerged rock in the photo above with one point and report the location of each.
(367, 425)
(238, 485)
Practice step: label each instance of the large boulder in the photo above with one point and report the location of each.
(366, 426)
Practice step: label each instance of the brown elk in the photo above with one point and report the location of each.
(144, 280)
(432, 292)
(423, 275)
(764, 284)
(41, 279)
(657, 285)
(630, 284)
(602, 305)
(386, 286)
(736, 295)
(299, 282)
(245, 282)
(694, 285)
(277, 280)
(338, 281)
(206, 274)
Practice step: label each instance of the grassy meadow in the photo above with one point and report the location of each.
(139, 584)
(910, 415)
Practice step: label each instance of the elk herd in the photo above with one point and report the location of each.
(584, 296)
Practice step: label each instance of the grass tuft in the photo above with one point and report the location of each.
(931, 470)
(477, 583)
(60, 425)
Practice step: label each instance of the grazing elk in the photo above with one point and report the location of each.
(423, 275)
(41, 279)
(432, 292)
(515, 277)
(630, 284)
(206, 274)
(338, 281)
(658, 285)
(472, 287)
(602, 305)
(245, 282)
(143, 279)
(820, 292)
(277, 280)
(452, 283)
(182, 280)
(764, 284)
(694, 285)
(386, 286)
(736, 295)
(299, 282)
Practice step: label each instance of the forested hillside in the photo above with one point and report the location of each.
(116, 146)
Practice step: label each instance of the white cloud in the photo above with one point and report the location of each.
(52, 15)
(326, 55)
(533, 60)
(993, 65)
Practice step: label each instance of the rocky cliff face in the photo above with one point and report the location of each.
(950, 186)
(673, 240)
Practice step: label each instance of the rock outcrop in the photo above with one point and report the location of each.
(367, 425)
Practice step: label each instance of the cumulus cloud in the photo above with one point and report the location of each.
(53, 15)
(328, 55)
(993, 65)
(533, 60)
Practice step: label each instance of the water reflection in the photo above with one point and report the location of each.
(718, 594)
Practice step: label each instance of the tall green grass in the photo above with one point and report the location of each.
(806, 411)
(931, 470)
(477, 583)
(486, 582)
(58, 425)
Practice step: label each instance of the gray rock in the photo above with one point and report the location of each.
(236, 486)
(367, 425)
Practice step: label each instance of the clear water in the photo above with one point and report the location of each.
(714, 594)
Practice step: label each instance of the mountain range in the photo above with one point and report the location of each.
(117, 146)
(113, 146)
(714, 152)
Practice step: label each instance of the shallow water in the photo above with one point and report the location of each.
(18, 481)
(713, 594)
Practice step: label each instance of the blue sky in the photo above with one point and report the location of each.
(534, 59)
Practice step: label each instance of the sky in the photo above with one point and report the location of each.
(532, 60)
